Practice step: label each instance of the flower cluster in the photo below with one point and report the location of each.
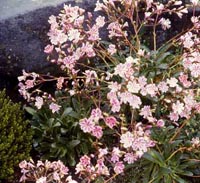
(132, 88)
(43, 172)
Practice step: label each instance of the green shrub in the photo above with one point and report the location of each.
(15, 136)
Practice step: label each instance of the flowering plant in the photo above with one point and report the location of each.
(44, 172)
(134, 88)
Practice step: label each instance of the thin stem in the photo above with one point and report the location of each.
(178, 131)
(107, 181)
(154, 33)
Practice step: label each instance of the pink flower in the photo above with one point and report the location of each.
(85, 160)
(54, 107)
(135, 102)
(194, 2)
(29, 83)
(195, 141)
(141, 52)
(99, 6)
(178, 107)
(115, 105)
(87, 125)
(125, 97)
(142, 81)
(133, 87)
(115, 29)
(48, 49)
(142, 144)
(112, 49)
(57, 37)
(102, 152)
(187, 40)
(172, 82)
(97, 132)
(91, 76)
(56, 176)
(23, 164)
(173, 116)
(119, 167)
(68, 62)
(183, 78)
(23, 178)
(93, 33)
(114, 86)
(195, 70)
(41, 180)
(88, 49)
(160, 123)
(96, 114)
(126, 139)
(124, 70)
(101, 168)
(165, 23)
(60, 82)
(100, 21)
(114, 158)
(116, 154)
(146, 111)
(162, 86)
(130, 158)
(74, 35)
(151, 89)
(39, 102)
(110, 121)
(39, 163)
(70, 180)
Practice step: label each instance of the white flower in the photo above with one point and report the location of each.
(194, 2)
(195, 141)
(54, 107)
(69, 179)
(178, 107)
(133, 87)
(165, 23)
(127, 139)
(39, 102)
(172, 82)
(42, 180)
(132, 60)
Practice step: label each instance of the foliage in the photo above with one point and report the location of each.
(143, 98)
(58, 135)
(15, 138)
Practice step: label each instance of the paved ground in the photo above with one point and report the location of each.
(12, 8)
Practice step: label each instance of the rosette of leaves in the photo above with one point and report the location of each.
(170, 161)
(58, 135)
(15, 137)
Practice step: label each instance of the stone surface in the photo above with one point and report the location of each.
(12, 8)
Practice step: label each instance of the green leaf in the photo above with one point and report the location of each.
(57, 124)
(84, 148)
(76, 105)
(162, 66)
(74, 143)
(71, 160)
(178, 179)
(184, 172)
(66, 112)
(155, 157)
(74, 115)
(30, 110)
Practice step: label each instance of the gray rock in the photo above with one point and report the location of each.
(23, 37)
